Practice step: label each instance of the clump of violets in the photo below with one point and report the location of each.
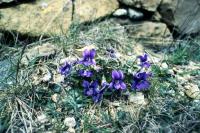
(88, 57)
(140, 81)
(92, 89)
(91, 77)
(65, 69)
(117, 80)
(144, 61)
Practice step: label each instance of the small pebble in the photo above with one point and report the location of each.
(70, 122)
(71, 130)
(47, 77)
(116, 104)
(164, 65)
(172, 92)
(43, 5)
(42, 118)
(171, 72)
(133, 14)
(54, 98)
(192, 91)
(182, 93)
(120, 12)
(137, 98)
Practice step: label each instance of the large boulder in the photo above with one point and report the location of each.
(151, 34)
(151, 30)
(150, 5)
(184, 15)
(51, 16)
(89, 10)
(38, 18)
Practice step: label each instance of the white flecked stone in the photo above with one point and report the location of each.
(120, 12)
(70, 122)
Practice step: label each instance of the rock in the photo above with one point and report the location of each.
(181, 80)
(164, 65)
(134, 15)
(156, 59)
(35, 20)
(151, 29)
(6, 1)
(59, 110)
(44, 5)
(70, 122)
(137, 98)
(58, 78)
(69, 59)
(47, 77)
(120, 12)
(89, 10)
(40, 75)
(182, 14)
(42, 118)
(181, 93)
(54, 98)
(44, 50)
(151, 34)
(192, 91)
(193, 65)
(138, 49)
(150, 5)
(115, 104)
(53, 131)
(170, 71)
(172, 92)
(71, 130)
(52, 17)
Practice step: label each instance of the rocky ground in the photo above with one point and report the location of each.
(35, 97)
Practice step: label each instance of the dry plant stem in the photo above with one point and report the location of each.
(18, 62)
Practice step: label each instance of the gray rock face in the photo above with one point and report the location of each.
(183, 14)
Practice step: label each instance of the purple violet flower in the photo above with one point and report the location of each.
(88, 57)
(91, 89)
(140, 81)
(98, 95)
(144, 61)
(117, 80)
(65, 69)
(85, 73)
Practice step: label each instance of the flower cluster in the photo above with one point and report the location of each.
(140, 79)
(65, 69)
(117, 80)
(88, 57)
(93, 84)
(92, 89)
(144, 61)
